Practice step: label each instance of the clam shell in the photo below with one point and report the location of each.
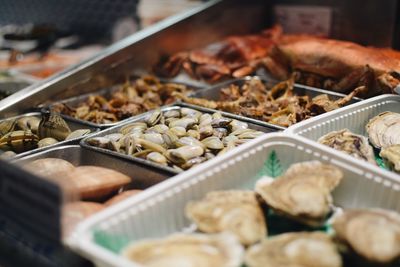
(237, 212)
(48, 141)
(301, 249)
(77, 134)
(391, 155)
(303, 193)
(95, 182)
(194, 250)
(372, 234)
(50, 167)
(350, 143)
(121, 197)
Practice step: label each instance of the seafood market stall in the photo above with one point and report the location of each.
(202, 132)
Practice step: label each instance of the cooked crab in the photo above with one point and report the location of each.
(235, 211)
(194, 250)
(372, 234)
(303, 192)
(301, 249)
(383, 130)
(350, 143)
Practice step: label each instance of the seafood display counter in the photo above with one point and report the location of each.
(188, 131)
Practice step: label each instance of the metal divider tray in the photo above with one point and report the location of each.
(135, 219)
(354, 117)
(213, 93)
(106, 92)
(72, 124)
(256, 125)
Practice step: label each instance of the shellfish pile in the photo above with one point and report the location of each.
(179, 137)
(302, 194)
(383, 134)
(30, 132)
(278, 105)
(130, 99)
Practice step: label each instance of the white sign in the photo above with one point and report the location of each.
(304, 19)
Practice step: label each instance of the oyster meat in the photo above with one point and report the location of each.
(391, 155)
(303, 249)
(183, 250)
(372, 234)
(303, 192)
(237, 212)
(383, 130)
(350, 143)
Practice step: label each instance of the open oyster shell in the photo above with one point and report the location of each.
(237, 212)
(372, 234)
(350, 143)
(194, 250)
(383, 130)
(303, 193)
(303, 249)
(391, 155)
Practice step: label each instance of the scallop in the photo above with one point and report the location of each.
(303, 249)
(350, 143)
(237, 212)
(383, 130)
(372, 234)
(303, 193)
(194, 250)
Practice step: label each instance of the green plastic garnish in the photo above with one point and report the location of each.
(272, 166)
(111, 242)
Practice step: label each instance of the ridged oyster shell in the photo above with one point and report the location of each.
(383, 130)
(184, 250)
(391, 155)
(372, 234)
(237, 212)
(303, 193)
(303, 249)
(350, 143)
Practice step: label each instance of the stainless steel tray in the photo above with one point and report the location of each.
(101, 237)
(115, 129)
(72, 124)
(142, 177)
(213, 93)
(74, 101)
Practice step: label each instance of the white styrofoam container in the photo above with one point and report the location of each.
(353, 117)
(159, 211)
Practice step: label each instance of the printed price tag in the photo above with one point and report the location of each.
(304, 19)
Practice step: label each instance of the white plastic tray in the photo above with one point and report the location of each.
(353, 117)
(160, 210)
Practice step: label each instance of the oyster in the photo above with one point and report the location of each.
(301, 249)
(303, 193)
(383, 130)
(350, 143)
(237, 212)
(194, 250)
(95, 182)
(391, 155)
(372, 234)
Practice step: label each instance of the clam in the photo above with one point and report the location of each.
(154, 118)
(213, 143)
(194, 133)
(303, 192)
(7, 126)
(178, 131)
(302, 249)
(159, 128)
(29, 123)
(188, 141)
(48, 141)
(170, 138)
(189, 112)
(391, 155)
(236, 125)
(220, 132)
(52, 125)
(94, 182)
(19, 141)
(383, 130)
(101, 142)
(237, 212)
(250, 134)
(157, 158)
(206, 131)
(149, 145)
(205, 119)
(133, 127)
(220, 122)
(350, 143)
(193, 162)
(50, 167)
(194, 250)
(372, 234)
(184, 153)
(77, 133)
(154, 138)
(184, 123)
(174, 113)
